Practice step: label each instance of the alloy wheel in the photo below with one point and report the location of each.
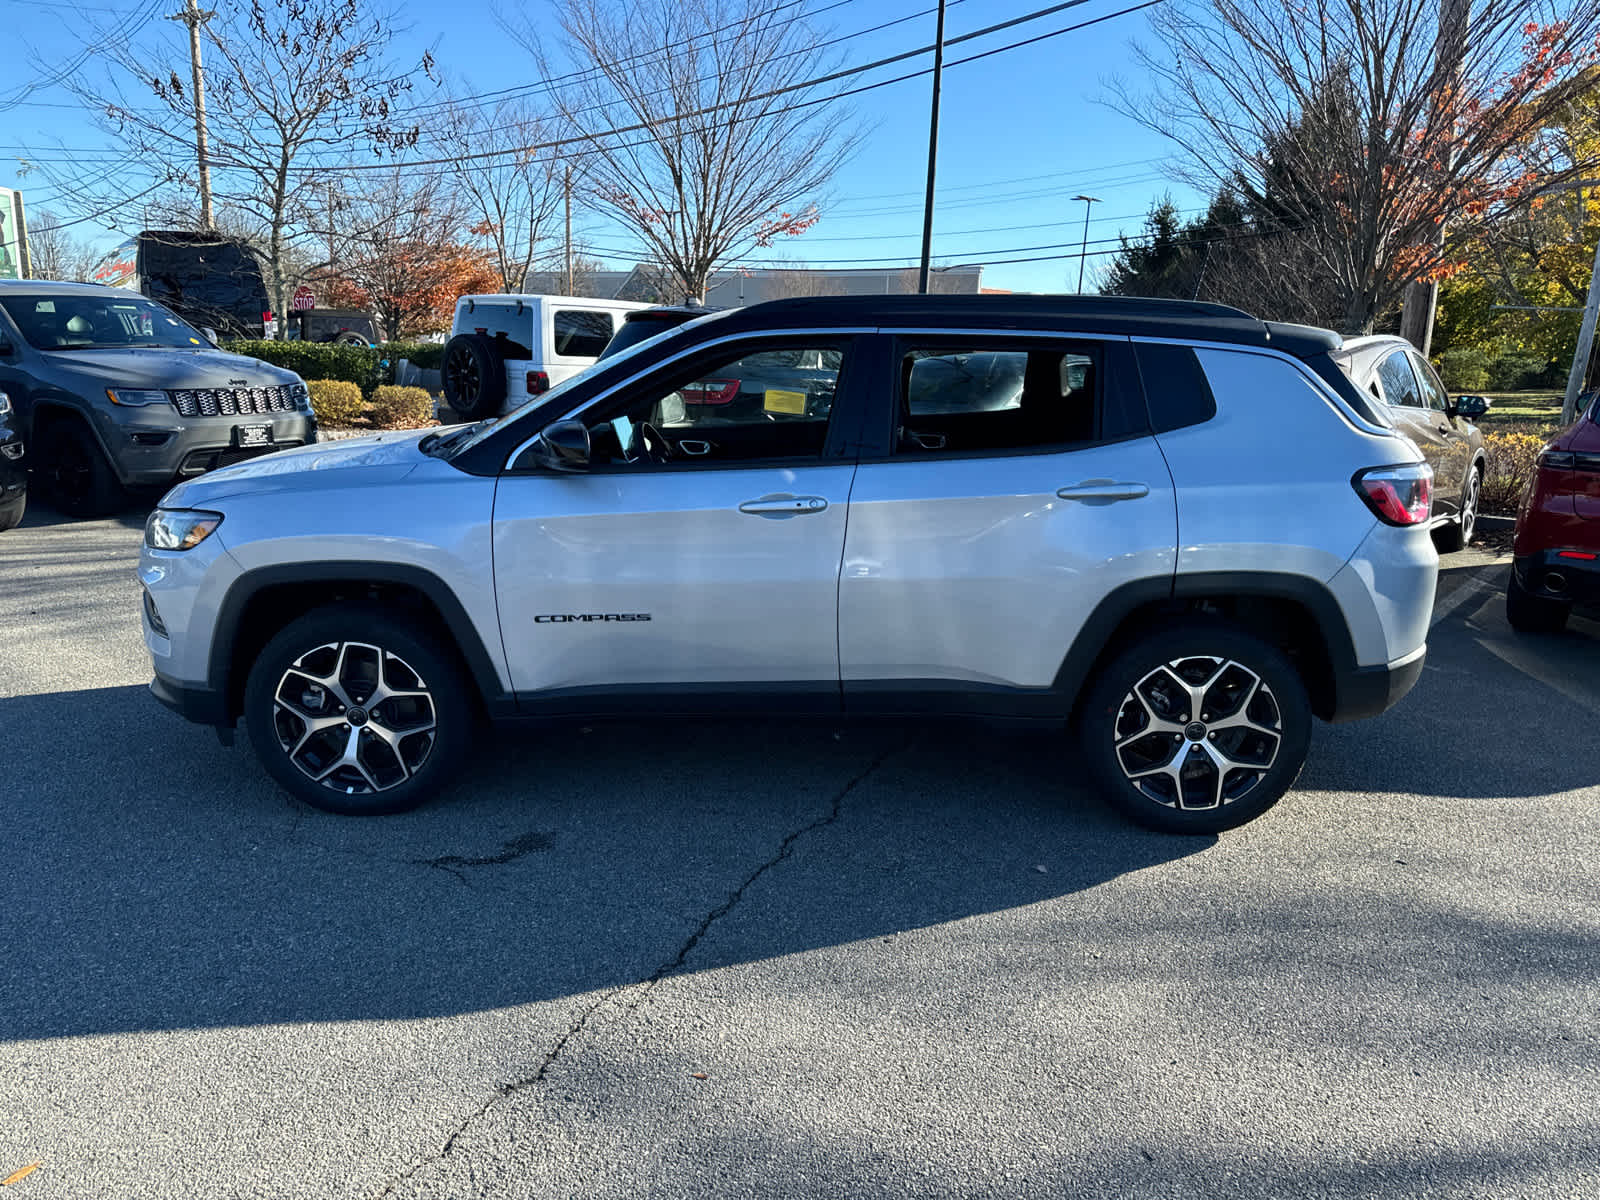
(462, 371)
(354, 717)
(1198, 733)
(1469, 508)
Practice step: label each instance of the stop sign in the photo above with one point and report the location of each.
(304, 298)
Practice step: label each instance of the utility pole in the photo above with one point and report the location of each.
(194, 17)
(1580, 356)
(1083, 255)
(1449, 50)
(567, 197)
(330, 227)
(933, 153)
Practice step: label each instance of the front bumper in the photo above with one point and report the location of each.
(199, 704)
(1575, 581)
(154, 446)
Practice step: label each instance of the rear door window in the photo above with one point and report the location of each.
(581, 333)
(956, 397)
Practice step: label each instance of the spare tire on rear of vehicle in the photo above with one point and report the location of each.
(474, 377)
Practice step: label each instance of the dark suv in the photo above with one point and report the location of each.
(112, 391)
(13, 468)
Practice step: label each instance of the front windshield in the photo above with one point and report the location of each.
(91, 322)
(540, 410)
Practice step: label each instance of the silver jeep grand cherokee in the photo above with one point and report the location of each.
(1177, 529)
(113, 391)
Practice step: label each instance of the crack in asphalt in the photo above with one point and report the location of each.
(645, 986)
(517, 847)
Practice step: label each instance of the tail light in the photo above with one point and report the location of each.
(538, 383)
(1397, 495)
(710, 391)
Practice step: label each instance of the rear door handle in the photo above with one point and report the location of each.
(1106, 490)
(784, 506)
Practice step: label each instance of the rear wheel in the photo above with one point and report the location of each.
(11, 512)
(1197, 729)
(77, 478)
(474, 377)
(1458, 533)
(355, 712)
(1528, 613)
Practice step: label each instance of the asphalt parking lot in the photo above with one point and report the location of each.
(791, 960)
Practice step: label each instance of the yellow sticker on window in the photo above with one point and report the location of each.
(780, 401)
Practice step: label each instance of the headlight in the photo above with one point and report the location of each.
(5, 404)
(302, 396)
(133, 398)
(179, 528)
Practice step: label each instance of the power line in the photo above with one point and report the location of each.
(103, 212)
(140, 18)
(803, 85)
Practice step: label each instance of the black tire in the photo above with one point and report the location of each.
(350, 339)
(1528, 613)
(474, 377)
(1455, 536)
(398, 763)
(12, 511)
(77, 478)
(1264, 715)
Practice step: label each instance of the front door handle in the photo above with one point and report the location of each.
(784, 506)
(1106, 490)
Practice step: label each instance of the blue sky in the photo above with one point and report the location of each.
(1021, 132)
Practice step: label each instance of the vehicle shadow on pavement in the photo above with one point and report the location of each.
(158, 880)
(41, 515)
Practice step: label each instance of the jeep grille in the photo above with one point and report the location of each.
(232, 402)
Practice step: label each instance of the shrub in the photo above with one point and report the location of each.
(401, 408)
(1510, 467)
(335, 401)
(428, 356)
(1515, 370)
(317, 360)
(1465, 369)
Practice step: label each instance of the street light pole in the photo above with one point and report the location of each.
(1083, 255)
(933, 153)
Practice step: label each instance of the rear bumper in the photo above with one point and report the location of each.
(1573, 580)
(1367, 691)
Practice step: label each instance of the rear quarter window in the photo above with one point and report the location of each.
(1175, 386)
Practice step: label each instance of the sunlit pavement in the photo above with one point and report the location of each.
(801, 960)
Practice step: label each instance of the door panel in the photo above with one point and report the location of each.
(977, 570)
(682, 586)
(1404, 395)
(1450, 473)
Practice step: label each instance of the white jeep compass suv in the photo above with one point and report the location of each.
(1176, 528)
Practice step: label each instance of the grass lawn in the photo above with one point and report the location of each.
(1522, 412)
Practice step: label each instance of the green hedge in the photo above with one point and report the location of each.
(1465, 369)
(364, 366)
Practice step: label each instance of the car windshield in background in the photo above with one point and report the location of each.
(98, 323)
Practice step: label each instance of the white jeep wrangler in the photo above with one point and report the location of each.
(504, 349)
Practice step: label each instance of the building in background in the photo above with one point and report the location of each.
(740, 287)
(13, 236)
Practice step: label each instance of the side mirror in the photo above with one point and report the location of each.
(563, 446)
(1472, 406)
(211, 336)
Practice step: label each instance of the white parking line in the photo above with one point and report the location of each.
(1472, 589)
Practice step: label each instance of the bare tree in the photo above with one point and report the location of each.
(289, 87)
(514, 197)
(1367, 125)
(55, 253)
(710, 163)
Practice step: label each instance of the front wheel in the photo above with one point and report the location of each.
(78, 480)
(355, 712)
(1197, 728)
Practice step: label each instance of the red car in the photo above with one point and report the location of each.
(1557, 548)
